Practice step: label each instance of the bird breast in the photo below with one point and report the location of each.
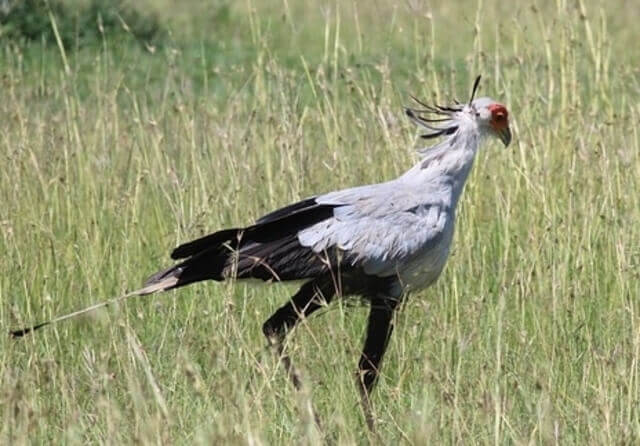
(425, 266)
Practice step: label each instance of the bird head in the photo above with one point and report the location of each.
(490, 117)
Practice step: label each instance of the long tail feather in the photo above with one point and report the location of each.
(163, 285)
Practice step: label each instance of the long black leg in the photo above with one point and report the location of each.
(379, 331)
(312, 296)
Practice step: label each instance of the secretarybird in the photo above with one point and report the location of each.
(378, 241)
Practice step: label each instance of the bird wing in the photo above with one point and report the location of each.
(375, 228)
(268, 250)
(276, 225)
(379, 227)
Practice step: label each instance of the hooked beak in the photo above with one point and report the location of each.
(504, 135)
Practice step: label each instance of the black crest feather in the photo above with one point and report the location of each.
(429, 116)
(476, 84)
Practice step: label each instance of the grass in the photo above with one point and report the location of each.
(531, 335)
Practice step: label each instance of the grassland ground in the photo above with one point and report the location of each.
(112, 153)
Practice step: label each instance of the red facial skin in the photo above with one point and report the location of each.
(499, 116)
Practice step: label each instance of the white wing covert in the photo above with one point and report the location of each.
(378, 227)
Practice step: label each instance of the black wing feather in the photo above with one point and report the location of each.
(267, 250)
(195, 246)
(273, 226)
(288, 210)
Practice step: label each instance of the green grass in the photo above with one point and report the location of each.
(531, 335)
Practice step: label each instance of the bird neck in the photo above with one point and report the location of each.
(447, 165)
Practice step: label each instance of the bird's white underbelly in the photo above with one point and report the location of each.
(424, 267)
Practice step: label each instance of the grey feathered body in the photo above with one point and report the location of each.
(402, 227)
(399, 231)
